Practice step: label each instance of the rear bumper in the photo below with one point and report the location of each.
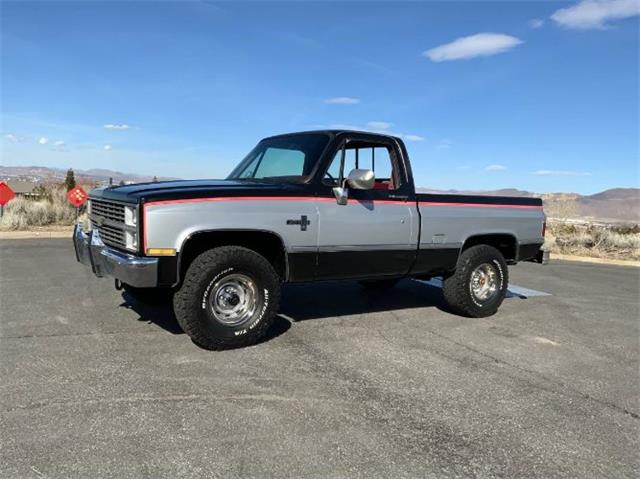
(533, 252)
(108, 262)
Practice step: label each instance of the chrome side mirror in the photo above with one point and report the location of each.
(361, 179)
(341, 194)
(358, 179)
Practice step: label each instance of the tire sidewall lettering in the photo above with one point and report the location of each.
(263, 310)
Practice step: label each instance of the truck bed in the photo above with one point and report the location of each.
(448, 221)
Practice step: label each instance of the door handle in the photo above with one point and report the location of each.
(399, 197)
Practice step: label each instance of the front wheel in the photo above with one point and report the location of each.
(229, 298)
(479, 284)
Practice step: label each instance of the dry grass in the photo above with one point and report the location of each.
(21, 213)
(601, 241)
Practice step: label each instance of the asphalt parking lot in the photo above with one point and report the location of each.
(348, 384)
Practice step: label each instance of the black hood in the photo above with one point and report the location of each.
(182, 189)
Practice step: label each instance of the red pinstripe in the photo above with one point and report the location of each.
(262, 199)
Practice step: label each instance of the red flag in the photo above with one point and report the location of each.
(6, 193)
(77, 196)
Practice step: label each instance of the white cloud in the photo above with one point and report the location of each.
(379, 125)
(11, 137)
(562, 173)
(412, 138)
(463, 167)
(107, 147)
(536, 23)
(43, 140)
(117, 126)
(595, 13)
(478, 45)
(342, 101)
(59, 143)
(495, 168)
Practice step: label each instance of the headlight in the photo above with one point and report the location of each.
(130, 240)
(86, 225)
(130, 216)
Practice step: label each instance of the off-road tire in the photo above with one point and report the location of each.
(457, 286)
(149, 296)
(191, 303)
(379, 285)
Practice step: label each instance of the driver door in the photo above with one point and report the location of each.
(375, 233)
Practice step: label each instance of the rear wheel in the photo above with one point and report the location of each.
(229, 298)
(479, 284)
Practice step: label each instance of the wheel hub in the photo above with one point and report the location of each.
(233, 299)
(484, 282)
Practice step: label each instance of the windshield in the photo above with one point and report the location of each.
(282, 159)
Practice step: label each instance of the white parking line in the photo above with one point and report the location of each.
(514, 291)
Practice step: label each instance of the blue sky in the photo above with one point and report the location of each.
(535, 95)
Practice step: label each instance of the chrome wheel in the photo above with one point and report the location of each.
(233, 299)
(484, 282)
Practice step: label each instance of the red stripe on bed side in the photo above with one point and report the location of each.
(477, 205)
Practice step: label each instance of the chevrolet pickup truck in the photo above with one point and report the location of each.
(302, 207)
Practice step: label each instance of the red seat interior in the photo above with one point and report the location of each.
(383, 185)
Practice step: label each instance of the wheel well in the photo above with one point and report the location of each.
(504, 242)
(267, 244)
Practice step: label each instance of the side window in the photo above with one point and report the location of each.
(373, 157)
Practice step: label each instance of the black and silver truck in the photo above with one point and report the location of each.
(302, 207)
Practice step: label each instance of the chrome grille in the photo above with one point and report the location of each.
(108, 219)
(109, 210)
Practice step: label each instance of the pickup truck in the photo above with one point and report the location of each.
(302, 207)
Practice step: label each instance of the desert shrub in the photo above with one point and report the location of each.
(626, 229)
(608, 241)
(22, 213)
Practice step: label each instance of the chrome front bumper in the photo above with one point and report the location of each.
(108, 262)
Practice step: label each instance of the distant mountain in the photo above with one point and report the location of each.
(624, 194)
(613, 204)
(51, 175)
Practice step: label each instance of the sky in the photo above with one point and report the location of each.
(541, 95)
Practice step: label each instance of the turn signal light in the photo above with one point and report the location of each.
(161, 252)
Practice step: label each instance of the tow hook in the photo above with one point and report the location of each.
(118, 284)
